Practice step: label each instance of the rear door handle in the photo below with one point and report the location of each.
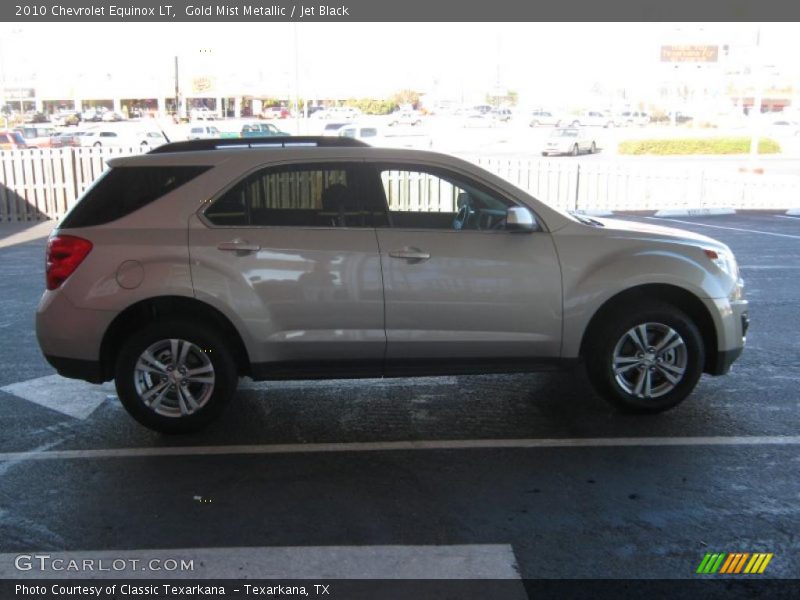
(238, 246)
(410, 254)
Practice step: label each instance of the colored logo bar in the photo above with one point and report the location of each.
(734, 563)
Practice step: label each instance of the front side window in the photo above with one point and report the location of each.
(302, 196)
(432, 199)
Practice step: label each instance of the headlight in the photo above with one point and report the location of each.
(725, 260)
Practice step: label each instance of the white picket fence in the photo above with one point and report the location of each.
(605, 185)
(42, 184)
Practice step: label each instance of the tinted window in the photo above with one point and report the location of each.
(318, 196)
(422, 199)
(123, 190)
(369, 132)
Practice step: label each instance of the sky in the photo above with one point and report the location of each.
(547, 61)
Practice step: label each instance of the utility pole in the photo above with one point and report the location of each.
(757, 72)
(177, 93)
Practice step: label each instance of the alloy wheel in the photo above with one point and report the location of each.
(649, 360)
(174, 378)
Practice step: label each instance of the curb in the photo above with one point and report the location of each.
(694, 212)
(595, 213)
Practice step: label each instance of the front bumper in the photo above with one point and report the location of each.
(731, 335)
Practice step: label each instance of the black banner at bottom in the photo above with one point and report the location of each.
(399, 589)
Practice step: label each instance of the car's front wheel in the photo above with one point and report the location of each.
(174, 376)
(645, 360)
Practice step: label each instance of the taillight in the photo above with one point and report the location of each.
(64, 254)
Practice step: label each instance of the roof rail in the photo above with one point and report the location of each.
(259, 142)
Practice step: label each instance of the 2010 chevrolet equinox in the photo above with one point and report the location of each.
(181, 270)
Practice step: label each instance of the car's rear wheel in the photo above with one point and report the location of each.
(575, 150)
(174, 376)
(645, 360)
(593, 149)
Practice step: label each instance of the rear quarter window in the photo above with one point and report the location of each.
(123, 190)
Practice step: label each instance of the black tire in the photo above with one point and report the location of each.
(593, 149)
(545, 154)
(202, 337)
(98, 145)
(613, 330)
(575, 150)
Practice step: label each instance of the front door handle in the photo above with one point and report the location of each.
(410, 254)
(238, 245)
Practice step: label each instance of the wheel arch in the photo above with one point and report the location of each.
(679, 297)
(150, 309)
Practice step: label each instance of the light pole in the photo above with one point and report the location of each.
(757, 72)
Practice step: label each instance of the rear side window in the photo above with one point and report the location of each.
(303, 196)
(123, 190)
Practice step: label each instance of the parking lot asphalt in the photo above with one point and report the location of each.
(521, 473)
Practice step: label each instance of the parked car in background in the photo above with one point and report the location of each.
(121, 138)
(202, 114)
(66, 138)
(203, 132)
(629, 118)
(378, 135)
(275, 112)
(405, 117)
(65, 118)
(331, 129)
(37, 136)
(12, 140)
(543, 117)
(329, 259)
(257, 129)
(91, 115)
(338, 113)
(784, 125)
(33, 116)
(588, 118)
(569, 140)
(110, 116)
(501, 115)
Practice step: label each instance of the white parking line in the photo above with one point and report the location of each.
(256, 449)
(76, 399)
(785, 235)
(468, 561)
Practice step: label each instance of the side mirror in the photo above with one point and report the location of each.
(521, 219)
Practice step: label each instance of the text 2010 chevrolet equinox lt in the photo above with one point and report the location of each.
(183, 269)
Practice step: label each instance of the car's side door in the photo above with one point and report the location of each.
(289, 254)
(461, 290)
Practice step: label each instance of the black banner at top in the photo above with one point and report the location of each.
(397, 11)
